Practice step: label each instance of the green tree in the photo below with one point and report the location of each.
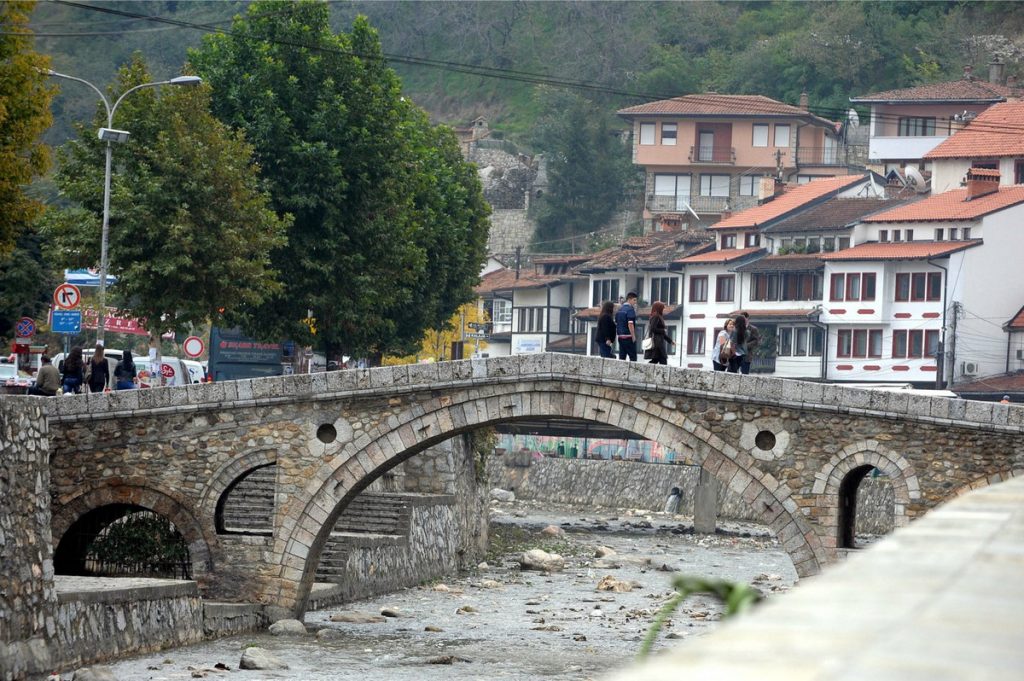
(24, 115)
(190, 227)
(589, 171)
(389, 221)
(26, 280)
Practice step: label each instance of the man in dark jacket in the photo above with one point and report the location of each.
(625, 327)
(47, 380)
(753, 340)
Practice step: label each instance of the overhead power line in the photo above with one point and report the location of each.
(508, 74)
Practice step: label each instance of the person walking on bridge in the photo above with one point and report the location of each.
(658, 332)
(625, 327)
(606, 330)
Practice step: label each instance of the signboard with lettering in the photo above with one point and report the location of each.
(234, 355)
(66, 321)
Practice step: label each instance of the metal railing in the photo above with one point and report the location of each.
(820, 156)
(700, 204)
(712, 154)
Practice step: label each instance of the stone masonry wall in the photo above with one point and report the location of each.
(627, 484)
(28, 598)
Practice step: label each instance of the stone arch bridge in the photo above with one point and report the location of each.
(795, 451)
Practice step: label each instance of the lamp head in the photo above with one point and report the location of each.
(111, 135)
(185, 80)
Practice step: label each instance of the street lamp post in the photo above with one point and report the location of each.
(110, 135)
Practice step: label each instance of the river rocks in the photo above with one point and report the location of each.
(329, 634)
(287, 628)
(390, 612)
(609, 583)
(498, 494)
(466, 610)
(603, 552)
(357, 618)
(607, 564)
(433, 629)
(483, 566)
(258, 658)
(552, 531)
(537, 559)
(95, 673)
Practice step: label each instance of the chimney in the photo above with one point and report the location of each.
(804, 102)
(981, 182)
(995, 71)
(968, 72)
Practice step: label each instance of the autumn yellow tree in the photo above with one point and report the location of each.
(436, 345)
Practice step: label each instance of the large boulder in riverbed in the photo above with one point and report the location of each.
(288, 628)
(258, 658)
(536, 559)
(95, 673)
(499, 494)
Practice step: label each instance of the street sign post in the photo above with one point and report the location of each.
(477, 335)
(66, 321)
(193, 346)
(67, 296)
(25, 327)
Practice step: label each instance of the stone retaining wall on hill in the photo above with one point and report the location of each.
(631, 484)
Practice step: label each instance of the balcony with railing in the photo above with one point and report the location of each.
(821, 156)
(713, 154)
(700, 204)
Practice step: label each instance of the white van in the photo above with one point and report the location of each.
(173, 370)
(196, 372)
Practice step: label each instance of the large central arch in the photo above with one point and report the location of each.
(428, 420)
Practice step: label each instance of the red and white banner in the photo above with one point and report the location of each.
(116, 321)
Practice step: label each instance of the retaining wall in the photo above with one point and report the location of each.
(632, 484)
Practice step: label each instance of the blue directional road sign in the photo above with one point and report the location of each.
(67, 321)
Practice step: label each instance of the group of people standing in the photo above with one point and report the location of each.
(732, 352)
(620, 327)
(735, 345)
(75, 374)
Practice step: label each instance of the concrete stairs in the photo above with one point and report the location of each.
(370, 520)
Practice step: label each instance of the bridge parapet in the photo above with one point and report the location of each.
(395, 380)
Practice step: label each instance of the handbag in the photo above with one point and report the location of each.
(648, 342)
(726, 353)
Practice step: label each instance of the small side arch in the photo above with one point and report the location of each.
(839, 479)
(173, 509)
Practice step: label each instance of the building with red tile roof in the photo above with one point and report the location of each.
(907, 250)
(993, 140)
(795, 198)
(952, 206)
(906, 125)
(708, 154)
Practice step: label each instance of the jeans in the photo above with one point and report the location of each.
(627, 348)
(734, 364)
(605, 350)
(745, 365)
(718, 366)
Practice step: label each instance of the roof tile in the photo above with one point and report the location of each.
(794, 262)
(834, 214)
(714, 104)
(970, 90)
(906, 250)
(793, 199)
(952, 205)
(723, 255)
(997, 131)
(1016, 323)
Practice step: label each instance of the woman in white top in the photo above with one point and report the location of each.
(723, 337)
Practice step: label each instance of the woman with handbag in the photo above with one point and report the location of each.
(97, 373)
(606, 330)
(722, 350)
(657, 340)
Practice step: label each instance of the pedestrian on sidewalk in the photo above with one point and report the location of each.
(753, 341)
(739, 340)
(625, 327)
(74, 371)
(606, 330)
(722, 350)
(657, 331)
(97, 372)
(125, 373)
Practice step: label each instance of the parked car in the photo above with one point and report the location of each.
(196, 372)
(12, 381)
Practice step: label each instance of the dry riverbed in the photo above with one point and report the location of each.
(500, 622)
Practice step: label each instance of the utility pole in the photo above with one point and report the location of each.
(519, 251)
(952, 345)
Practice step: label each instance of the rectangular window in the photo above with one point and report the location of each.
(853, 287)
(699, 289)
(781, 135)
(860, 342)
(665, 289)
(899, 344)
(714, 185)
(844, 343)
(800, 341)
(917, 286)
(828, 244)
(501, 311)
(705, 145)
(760, 135)
(749, 185)
(908, 235)
(813, 245)
(785, 348)
(953, 234)
(817, 342)
(647, 133)
(531, 320)
(902, 288)
(875, 343)
(934, 286)
(967, 233)
(728, 241)
(668, 134)
(931, 343)
(844, 243)
(917, 126)
(897, 235)
(1018, 172)
(695, 341)
(671, 192)
(838, 286)
(939, 233)
(725, 285)
(753, 239)
(915, 343)
(867, 287)
(883, 235)
(605, 289)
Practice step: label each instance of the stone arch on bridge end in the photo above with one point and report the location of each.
(644, 412)
(226, 478)
(184, 520)
(839, 479)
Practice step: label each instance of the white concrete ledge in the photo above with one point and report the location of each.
(939, 600)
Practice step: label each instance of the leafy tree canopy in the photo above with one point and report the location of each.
(26, 280)
(390, 224)
(190, 227)
(24, 115)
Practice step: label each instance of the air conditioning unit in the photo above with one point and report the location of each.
(969, 368)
